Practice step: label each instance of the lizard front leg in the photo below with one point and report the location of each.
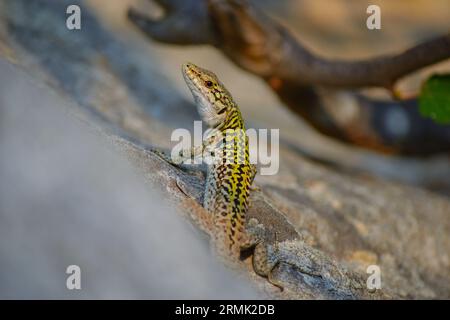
(194, 152)
(264, 262)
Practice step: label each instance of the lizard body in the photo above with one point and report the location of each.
(230, 176)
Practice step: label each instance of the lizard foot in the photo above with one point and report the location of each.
(265, 257)
(164, 156)
(189, 190)
(264, 263)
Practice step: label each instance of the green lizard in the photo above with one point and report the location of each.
(229, 177)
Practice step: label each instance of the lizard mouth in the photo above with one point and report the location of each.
(189, 72)
(190, 75)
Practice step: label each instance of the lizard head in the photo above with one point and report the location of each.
(213, 101)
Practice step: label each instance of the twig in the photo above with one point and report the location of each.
(262, 46)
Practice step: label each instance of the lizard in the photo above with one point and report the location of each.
(229, 176)
(228, 185)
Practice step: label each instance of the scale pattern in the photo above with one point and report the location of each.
(230, 175)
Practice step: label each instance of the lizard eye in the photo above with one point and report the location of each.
(209, 84)
(222, 110)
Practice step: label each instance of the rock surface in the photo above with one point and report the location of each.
(335, 224)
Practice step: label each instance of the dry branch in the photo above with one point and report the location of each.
(263, 47)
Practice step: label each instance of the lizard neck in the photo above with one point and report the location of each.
(232, 121)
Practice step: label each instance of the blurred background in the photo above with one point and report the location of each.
(334, 30)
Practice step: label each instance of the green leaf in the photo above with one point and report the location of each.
(434, 99)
